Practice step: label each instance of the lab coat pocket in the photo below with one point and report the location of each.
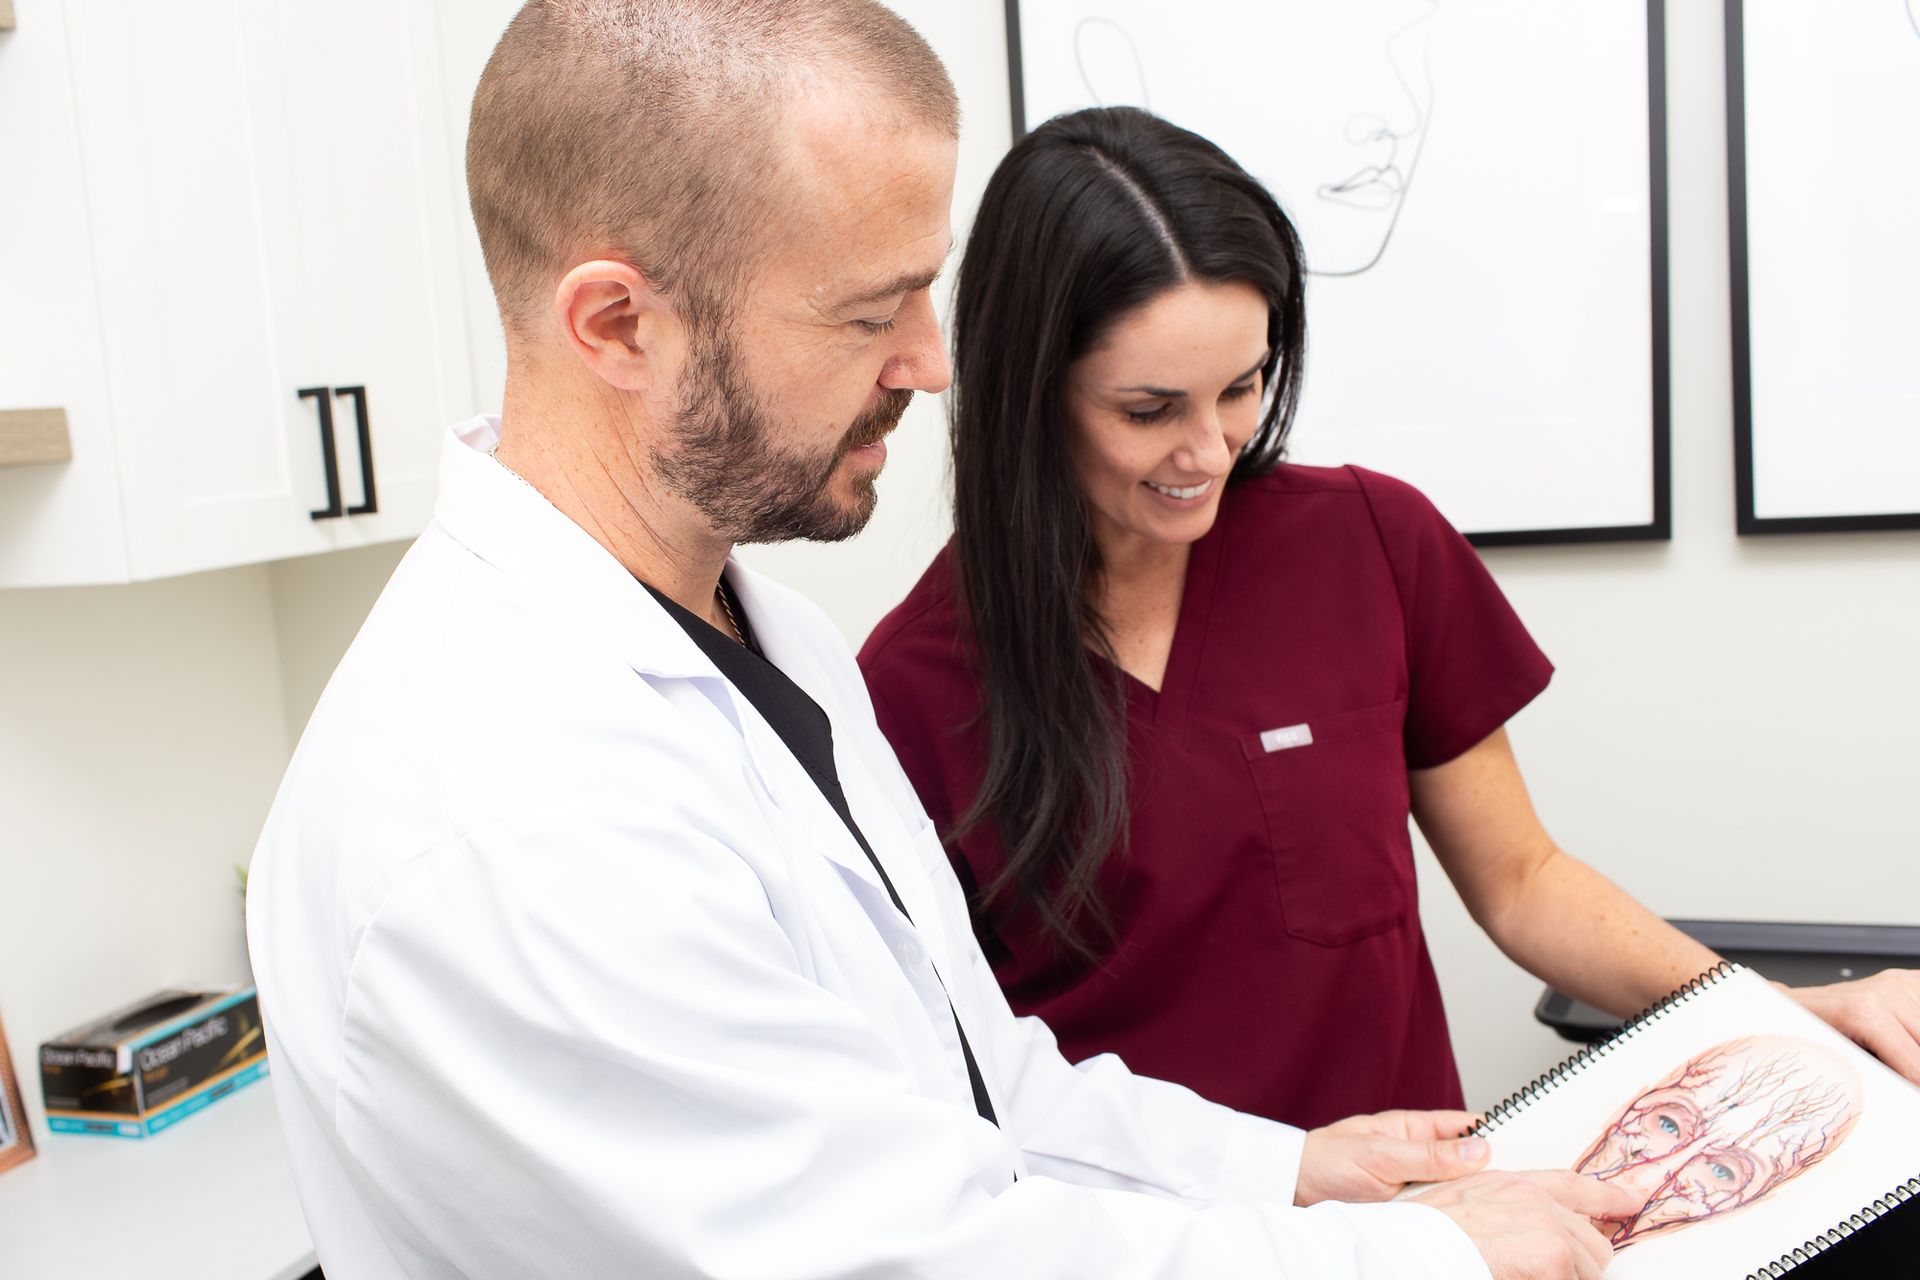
(1336, 812)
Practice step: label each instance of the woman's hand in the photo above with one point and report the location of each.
(1372, 1157)
(1881, 1014)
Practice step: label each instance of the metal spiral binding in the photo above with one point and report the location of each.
(1503, 1111)
(1847, 1226)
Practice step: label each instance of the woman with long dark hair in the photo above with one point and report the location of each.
(1170, 700)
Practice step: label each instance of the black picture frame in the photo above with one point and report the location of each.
(1660, 527)
(1747, 521)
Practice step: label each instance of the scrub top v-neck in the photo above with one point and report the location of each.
(1334, 632)
(1167, 705)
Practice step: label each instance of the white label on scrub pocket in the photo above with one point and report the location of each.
(1294, 735)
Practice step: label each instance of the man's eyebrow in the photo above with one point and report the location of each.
(1171, 394)
(912, 282)
(905, 283)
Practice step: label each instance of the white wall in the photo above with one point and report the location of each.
(318, 604)
(1731, 731)
(141, 736)
(1729, 734)
(858, 582)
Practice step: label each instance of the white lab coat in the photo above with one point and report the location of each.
(569, 970)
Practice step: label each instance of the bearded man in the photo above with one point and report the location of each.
(597, 929)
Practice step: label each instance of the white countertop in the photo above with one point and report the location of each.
(211, 1197)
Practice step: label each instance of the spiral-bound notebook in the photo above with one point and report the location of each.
(1758, 1135)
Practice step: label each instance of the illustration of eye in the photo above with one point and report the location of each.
(1721, 1173)
(1668, 1127)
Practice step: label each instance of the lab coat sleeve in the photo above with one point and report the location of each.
(589, 1049)
(1097, 1122)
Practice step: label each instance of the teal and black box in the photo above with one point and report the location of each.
(149, 1065)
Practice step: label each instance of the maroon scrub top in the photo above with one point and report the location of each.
(1269, 950)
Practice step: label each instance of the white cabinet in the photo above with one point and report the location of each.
(204, 211)
(58, 523)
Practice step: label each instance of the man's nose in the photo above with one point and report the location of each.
(919, 361)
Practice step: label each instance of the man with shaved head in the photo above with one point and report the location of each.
(597, 929)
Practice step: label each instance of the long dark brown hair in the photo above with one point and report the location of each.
(1089, 217)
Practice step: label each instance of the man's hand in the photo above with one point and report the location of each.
(1881, 1014)
(1534, 1226)
(1372, 1157)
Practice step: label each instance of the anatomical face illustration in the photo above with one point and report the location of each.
(1723, 1131)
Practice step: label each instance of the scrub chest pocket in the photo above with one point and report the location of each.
(1336, 811)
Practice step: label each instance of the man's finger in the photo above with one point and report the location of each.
(1592, 1251)
(1429, 1126)
(1457, 1157)
(1425, 1126)
(1593, 1248)
(1587, 1264)
(1396, 1160)
(1587, 1197)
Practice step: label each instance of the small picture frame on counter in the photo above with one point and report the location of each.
(16, 1137)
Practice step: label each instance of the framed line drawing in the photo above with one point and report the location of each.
(1481, 189)
(1825, 264)
(16, 1136)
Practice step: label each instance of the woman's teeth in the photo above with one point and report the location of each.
(1191, 491)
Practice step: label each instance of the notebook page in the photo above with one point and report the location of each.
(1750, 1125)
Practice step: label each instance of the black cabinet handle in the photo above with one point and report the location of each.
(330, 452)
(330, 456)
(369, 503)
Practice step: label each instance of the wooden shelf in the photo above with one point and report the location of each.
(33, 435)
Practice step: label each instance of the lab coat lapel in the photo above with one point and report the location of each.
(781, 647)
(558, 566)
(893, 835)
(509, 524)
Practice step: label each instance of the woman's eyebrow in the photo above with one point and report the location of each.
(1171, 394)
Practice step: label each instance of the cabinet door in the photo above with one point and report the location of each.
(59, 524)
(270, 202)
(377, 203)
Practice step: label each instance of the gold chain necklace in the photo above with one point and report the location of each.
(720, 590)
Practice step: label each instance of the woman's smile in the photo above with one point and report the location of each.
(1184, 495)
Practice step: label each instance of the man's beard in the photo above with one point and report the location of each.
(724, 459)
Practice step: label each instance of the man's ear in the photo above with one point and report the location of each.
(620, 326)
